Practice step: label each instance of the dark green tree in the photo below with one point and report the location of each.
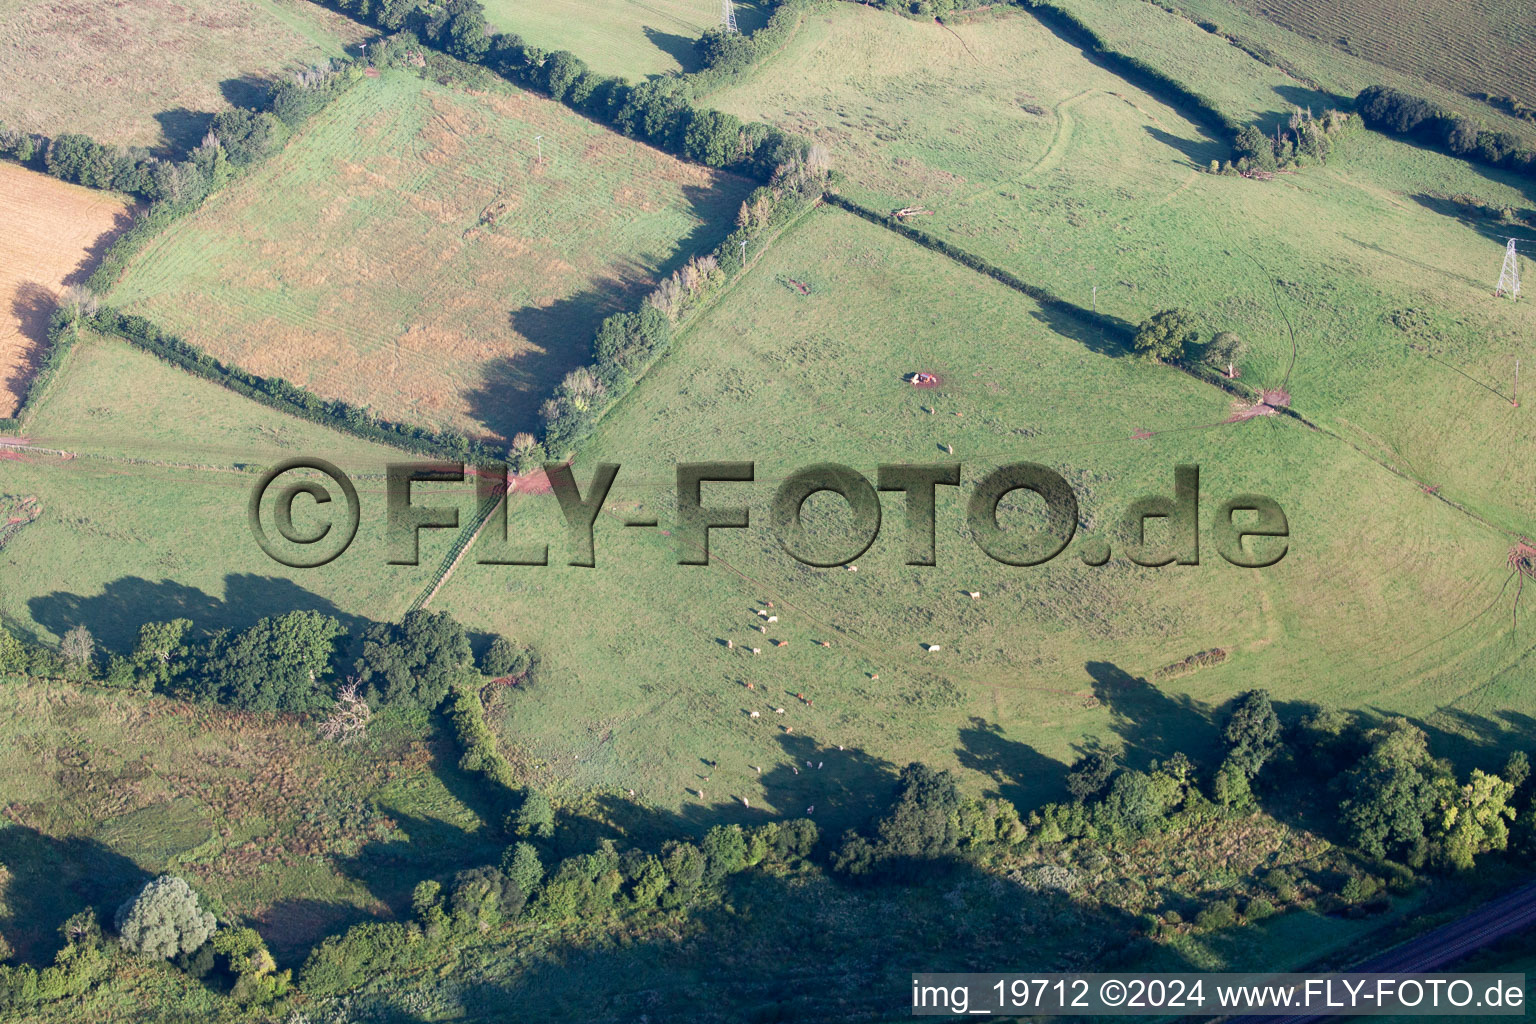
(1391, 793)
(1252, 732)
(536, 818)
(1165, 335)
(505, 658)
(410, 665)
(1089, 775)
(282, 663)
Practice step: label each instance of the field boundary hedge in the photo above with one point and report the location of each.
(279, 394)
(1122, 331)
(56, 348)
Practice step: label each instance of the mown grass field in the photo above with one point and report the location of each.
(153, 72)
(54, 232)
(410, 252)
(635, 39)
(1382, 600)
(1186, 37)
(1488, 46)
(1100, 200)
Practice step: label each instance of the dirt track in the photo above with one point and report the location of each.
(54, 234)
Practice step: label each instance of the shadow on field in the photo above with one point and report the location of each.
(1021, 775)
(182, 130)
(849, 787)
(1319, 101)
(1152, 724)
(31, 305)
(250, 91)
(52, 879)
(560, 333)
(115, 615)
(98, 248)
(293, 927)
(1097, 332)
(1198, 152)
(679, 48)
(1479, 218)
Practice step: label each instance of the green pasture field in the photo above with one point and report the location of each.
(147, 520)
(1383, 600)
(148, 517)
(154, 72)
(1099, 199)
(635, 39)
(410, 251)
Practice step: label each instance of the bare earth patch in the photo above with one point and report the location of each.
(54, 233)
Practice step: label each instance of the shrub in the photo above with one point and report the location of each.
(1258, 908)
(536, 818)
(505, 658)
(1220, 914)
(164, 919)
(521, 864)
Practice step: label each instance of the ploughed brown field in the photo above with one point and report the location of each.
(53, 234)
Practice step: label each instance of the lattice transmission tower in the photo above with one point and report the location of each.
(1509, 276)
(728, 16)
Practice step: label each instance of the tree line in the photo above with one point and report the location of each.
(660, 111)
(295, 662)
(1372, 784)
(1399, 113)
(235, 139)
(628, 343)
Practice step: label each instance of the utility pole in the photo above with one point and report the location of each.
(743, 252)
(1095, 297)
(1514, 398)
(539, 141)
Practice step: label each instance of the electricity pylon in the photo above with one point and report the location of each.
(728, 16)
(1509, 277)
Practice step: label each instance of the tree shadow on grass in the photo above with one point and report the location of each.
(31, 305)
(1474, 215)
(512, 388)
(294, 926)
(98, 248)
(115, 615)
(1019, 773)
(1198, 152)
(680, 48)
(798, 945)
(1099, 333)
(1152, 724)
(181, 130)
(51, 879)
